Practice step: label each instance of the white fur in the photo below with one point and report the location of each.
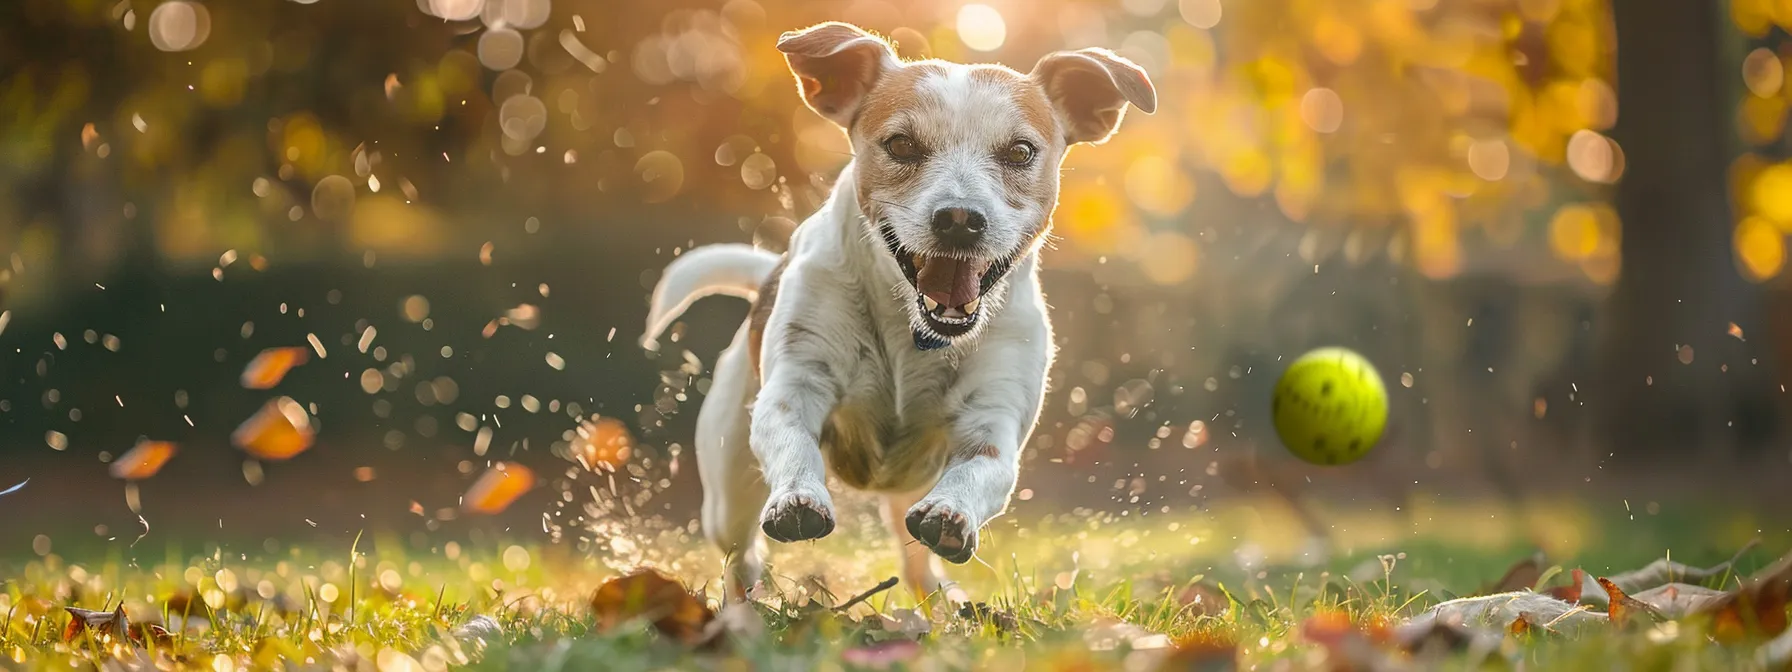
(729, 270)
(836, 338)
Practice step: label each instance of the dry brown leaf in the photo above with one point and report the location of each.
(1759, 606)
(1623, 607)
(271, 366)
(500, 485)
(279, 431)
(142, 460)
(1664, 571)
(100, 623)
(1203, 653)
(1523, 575)
(1520, 627)
(1679, 599)
(1570, 593)
(652, 596)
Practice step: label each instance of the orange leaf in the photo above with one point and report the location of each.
(142, 460)
(1571, 592)
(1520, 627)
(1623, 607)
(650, 595)
(102, 623)
(269, 367)
(497, 488)
(280, 430)
(1759, 606)
(603, 443)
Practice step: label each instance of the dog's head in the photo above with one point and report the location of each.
(957, 165)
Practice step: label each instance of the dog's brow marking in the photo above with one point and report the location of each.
(989, 450)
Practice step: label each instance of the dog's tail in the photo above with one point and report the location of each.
(728, 269)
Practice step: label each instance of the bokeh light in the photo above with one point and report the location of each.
(982, 27)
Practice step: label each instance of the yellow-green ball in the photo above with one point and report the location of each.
(1330, 406)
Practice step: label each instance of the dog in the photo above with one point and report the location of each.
(901, 342)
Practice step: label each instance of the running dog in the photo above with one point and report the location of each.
(901, 343)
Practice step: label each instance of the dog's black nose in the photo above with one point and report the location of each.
(958, 227)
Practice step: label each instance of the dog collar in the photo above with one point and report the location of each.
(926, 341)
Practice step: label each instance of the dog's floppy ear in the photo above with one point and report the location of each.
(835, 65)
(1090, 89)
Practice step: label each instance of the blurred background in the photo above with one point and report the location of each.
(1557, 227)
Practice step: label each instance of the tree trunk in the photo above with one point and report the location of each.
(1679, 285)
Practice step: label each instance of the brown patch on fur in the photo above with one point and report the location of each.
(988, 450)
(895, 93)
(863, 454)
(762, 311)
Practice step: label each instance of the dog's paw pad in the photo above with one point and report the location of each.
(797, 518)
(946, 531)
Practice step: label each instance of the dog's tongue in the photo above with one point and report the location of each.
(951, 282)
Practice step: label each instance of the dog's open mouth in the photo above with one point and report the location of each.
(948, 290)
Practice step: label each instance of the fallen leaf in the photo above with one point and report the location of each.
(500, 485)
(1676, 600)
(270, 367)
(1523, 575)
(1495, 612)
(1570, 593)
(1664, 571)
(1331, 628)
(882, 655)
(151, 632)
(1437, 638)
(1623, 607)
(652, 596)
(100, 623)
(1203, 653)
(905, 623)
(1758, 606)
(1520, 628)
(279, 431)
(142, 460)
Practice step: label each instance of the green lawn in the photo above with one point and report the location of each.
(1180, 590)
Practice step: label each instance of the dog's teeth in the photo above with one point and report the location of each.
(931, 304)
(973, 305)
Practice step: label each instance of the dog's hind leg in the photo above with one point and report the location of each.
(733, 489)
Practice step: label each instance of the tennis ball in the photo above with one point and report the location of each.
(1330, 406)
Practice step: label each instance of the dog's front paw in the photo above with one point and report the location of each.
(949, 532)
(796, 516)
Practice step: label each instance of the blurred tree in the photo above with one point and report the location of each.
(1674, 377)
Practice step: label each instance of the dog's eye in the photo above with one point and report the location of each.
(1019, 154)
(903, 148)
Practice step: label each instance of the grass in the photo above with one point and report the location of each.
(1072, 591)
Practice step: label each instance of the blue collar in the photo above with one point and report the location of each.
(927, 341)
